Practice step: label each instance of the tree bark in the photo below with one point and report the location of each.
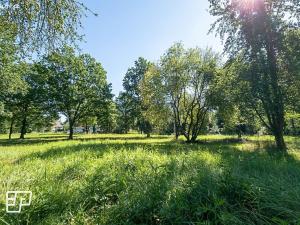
(239, 135)
(176, 131)
(11, 128)
(86, 128)
(193, 139)
(94, 129)
(272, 97)
(278, 102)
(280, 140)
(71, 130)
(23, 128)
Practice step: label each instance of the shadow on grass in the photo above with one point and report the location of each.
(50, 136)
(49, 139)
(228, 148)
(32, 141)
(247, 188)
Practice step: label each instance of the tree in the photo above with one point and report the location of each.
(255, 30)
(27, 106)
(76, 84)
(41, 24)
(33, 26)
(131, 85)
(106, 117)
(153, 96)
(9, 74)
(233, 99)
(183, 80)
(290, 61)
(175, 80)
(124, 111)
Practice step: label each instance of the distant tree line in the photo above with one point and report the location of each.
(254, 89)
(61, 83)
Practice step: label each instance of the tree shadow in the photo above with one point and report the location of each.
(176, 191)
(50, 136)
(57, 138)
(28, 141)
(122, 138)
(168, 147)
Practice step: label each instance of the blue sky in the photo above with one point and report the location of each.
(127, 29)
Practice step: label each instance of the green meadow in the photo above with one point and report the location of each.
(130, 179)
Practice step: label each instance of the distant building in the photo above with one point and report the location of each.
(79, 130)
(57, 126)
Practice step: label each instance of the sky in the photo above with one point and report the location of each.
(127, 29)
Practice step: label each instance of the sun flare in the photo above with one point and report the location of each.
(249, 4)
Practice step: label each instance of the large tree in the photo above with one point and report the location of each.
(131, 85)
(183, 81)
(41, 24)
(76, 84)
(106, 116)
(255, 30)
(27, 106)
(153, 95)
(233, 111)
(34, 26)
(103, 115)
(124, 108)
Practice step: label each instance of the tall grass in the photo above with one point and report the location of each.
(128, 179)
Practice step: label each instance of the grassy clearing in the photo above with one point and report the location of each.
(128, 179)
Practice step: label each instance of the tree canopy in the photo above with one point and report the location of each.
(182, 81)
(255, 31)
(77, 84)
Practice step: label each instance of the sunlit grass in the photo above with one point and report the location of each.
(130, 179)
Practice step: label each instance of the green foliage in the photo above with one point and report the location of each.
(183, 82)
(76, 85)
(41, 25)
(153, 97)
(292, 123)
(26, 108)
(131, 99)
(107, 116)
(124, 107)
(290, 62)
(9, 76)
(233, 99)
(256, 31)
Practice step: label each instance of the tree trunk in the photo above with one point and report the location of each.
(94, 129)
(11, 128)
(71, 131)
(187, 137)
(176, 131)
(278, 101)
(195, 134)
(193, 139)
(239, 135)
(148, 135)
(23, 128)
(86, 128)
(279, 139)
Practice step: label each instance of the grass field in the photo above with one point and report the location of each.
(129, 179)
